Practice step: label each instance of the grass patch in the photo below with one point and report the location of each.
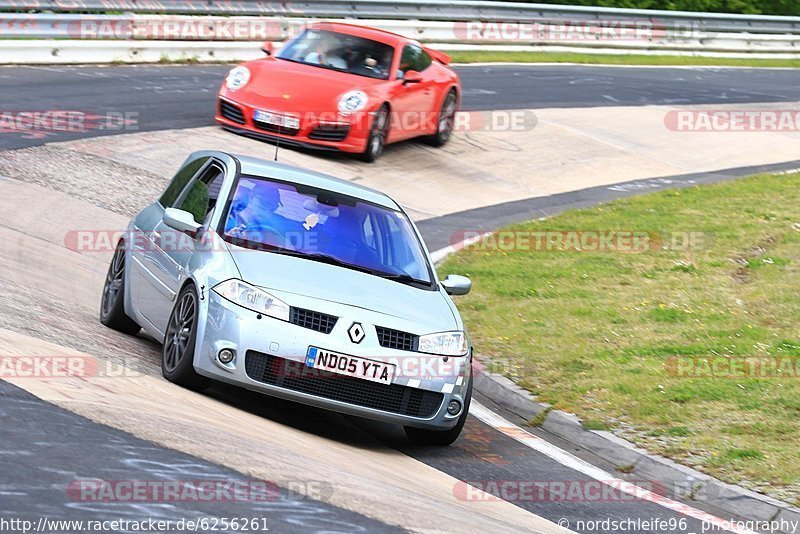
(538, 419)
(593, 333)
(592, 424)
(625, 468)
(185, 60)
(488, 56)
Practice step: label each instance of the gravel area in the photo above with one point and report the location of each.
(103, 182)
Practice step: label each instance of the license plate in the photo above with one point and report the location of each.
(356, 366)
(276, 119)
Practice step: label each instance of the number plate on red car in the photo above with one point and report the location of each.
(276, 119)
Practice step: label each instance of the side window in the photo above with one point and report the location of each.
(179, 182)
(414, 58)
(202, 195)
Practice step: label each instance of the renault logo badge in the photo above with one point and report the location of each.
(356, 333)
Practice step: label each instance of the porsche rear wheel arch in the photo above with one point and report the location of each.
(446, 119)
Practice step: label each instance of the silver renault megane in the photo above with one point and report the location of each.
(298, 285)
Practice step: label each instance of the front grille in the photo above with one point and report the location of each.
(274, 128)
(330, 132)
(320, 322)
(395, 339)
(295, 376)
(231, 112)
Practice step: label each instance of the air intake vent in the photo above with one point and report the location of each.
(231, 112)
(395, 339)
(312, 320)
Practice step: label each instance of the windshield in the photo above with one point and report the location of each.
(339, 51)
(325, 226)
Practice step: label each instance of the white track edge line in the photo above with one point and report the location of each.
(573, 462)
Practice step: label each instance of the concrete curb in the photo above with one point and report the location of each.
(684, 482)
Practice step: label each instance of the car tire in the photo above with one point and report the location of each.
(441, 438)
(376, 141)
(446, 122)
(177, 354)
(112, 303)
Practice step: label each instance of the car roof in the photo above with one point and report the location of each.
(289, 173)
(383, 36)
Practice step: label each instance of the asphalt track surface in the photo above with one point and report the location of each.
(173, 96)
(37, 465)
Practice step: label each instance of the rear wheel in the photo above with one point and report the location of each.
(377, 135)
(112, 305)
(177, 357)
(441, 438)
(446, 123)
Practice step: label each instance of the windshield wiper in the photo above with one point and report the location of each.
(403, 278)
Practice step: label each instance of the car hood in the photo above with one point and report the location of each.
(313, 279)
(288, 86)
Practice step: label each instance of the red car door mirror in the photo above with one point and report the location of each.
(267, 48)
(412, 76)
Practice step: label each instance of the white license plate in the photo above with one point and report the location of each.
(276, 119)
(356, 366)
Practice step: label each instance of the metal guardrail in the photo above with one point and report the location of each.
(434, 10)
(643, 35)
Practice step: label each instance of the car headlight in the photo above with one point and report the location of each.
(252, 298)
(444, 343)
(237, 78)
(352, 101)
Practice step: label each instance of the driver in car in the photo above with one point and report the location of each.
(252, 215)
(322, 55)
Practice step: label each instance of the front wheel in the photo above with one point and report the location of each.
(377, 136)
(177, 357)
(441, 438)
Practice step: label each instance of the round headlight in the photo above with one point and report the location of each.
(352, 101)
(237, 78)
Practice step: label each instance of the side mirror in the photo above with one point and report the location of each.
(268, 48)
(180, 220)
(412, 76)
(456, 285)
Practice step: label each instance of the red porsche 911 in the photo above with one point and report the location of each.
(343, 87)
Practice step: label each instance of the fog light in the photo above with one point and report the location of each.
(226, 356)
(454, 407)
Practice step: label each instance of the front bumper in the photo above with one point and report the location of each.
(355, 141)
(270, 356)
